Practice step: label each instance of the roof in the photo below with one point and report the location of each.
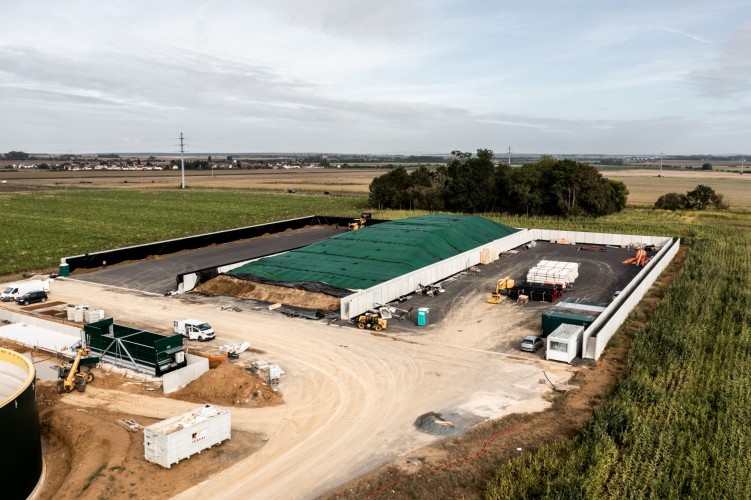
(566, 332)
(375, 254)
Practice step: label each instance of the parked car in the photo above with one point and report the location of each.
(531, 343)
(31, 297)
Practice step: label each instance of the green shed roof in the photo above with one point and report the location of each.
(375, 254)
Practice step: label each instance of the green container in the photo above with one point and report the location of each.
(422, 316)
(64, 270)
(553, 319)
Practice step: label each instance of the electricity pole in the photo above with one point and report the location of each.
(182, 161)
(742, 161)
(509, 156)
(660, 163)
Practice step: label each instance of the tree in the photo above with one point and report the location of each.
(390, 190)
(471, 182)
(702, 197)
(672, 201)
(706, 166)
(17, 155)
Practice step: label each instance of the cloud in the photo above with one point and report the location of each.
(729, 73)
(388, 20)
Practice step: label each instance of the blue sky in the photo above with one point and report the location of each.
(387, 76)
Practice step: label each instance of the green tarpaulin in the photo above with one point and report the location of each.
(372, 255)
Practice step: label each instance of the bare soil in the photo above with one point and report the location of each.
(460, 467)
(88, 456)
(227, 285)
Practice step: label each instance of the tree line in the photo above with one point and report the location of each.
(475, 184)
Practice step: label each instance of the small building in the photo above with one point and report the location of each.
(136, 349)
(564, 343)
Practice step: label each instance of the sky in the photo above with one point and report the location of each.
(376, 76)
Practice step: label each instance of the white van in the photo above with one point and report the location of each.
(194, 329)
(14, 290)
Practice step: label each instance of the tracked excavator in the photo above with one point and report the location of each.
(77, 374)
(501, 289)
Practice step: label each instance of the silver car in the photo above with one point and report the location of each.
(531, 343)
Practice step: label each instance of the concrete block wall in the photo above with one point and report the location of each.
(177, 379)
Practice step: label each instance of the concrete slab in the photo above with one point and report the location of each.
(158, 274)
(34, 336)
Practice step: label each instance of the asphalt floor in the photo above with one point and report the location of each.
(600, 275)
(158, 274)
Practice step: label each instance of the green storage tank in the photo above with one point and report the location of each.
(553, 319)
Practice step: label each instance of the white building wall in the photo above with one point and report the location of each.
(615, 314)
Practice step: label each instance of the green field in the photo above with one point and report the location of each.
(40, 227)
(677, 424)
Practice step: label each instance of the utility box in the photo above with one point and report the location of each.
(564, 343)
(167, 442)
(422, 316)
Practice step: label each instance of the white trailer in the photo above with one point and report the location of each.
(565, 343)
(14, 290)
(169, 441)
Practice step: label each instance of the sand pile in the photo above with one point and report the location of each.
(230, 385)
(227, 285)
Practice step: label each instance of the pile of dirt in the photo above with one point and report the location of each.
(434, 423)
(230, 385)
(228, 285)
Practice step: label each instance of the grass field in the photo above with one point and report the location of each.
(40, 227)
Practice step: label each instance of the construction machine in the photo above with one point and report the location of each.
(501, 288)
(371, 320)
(358, 223)
(77, 374)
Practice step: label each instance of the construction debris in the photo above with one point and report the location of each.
(592, 249)
(129, 425)
(233, 351)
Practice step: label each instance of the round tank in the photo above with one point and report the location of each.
(20, 442)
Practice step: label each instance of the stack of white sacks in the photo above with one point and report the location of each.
(552, 271)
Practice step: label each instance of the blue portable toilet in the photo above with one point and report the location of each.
(422, 316)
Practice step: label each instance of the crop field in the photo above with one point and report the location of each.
(341, 181)
(39, 227)
(676, 426)
(644, 185)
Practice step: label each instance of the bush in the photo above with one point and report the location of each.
(672, 201)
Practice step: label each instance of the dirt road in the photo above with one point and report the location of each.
(351, 398)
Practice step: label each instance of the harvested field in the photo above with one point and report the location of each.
(227, 285)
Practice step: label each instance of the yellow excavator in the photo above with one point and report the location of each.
(72, 376)
(358, 223)
(500, 289)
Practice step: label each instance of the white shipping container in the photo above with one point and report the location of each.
(169, 441)
(564, 343)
